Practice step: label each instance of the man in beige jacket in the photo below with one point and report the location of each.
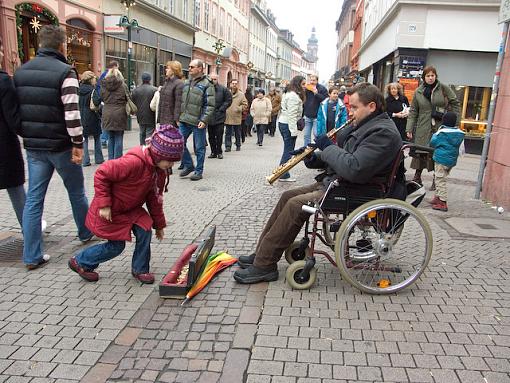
(234, 116)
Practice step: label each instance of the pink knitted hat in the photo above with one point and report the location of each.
(166, 143)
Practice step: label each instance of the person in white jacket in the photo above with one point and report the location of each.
(261, 112)
(290, 113)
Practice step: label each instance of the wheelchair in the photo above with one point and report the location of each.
(381, 245)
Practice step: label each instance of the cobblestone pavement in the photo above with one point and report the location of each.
(453, 325)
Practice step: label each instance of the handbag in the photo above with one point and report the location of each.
(92, 106)
(130, 105)
(300, 124)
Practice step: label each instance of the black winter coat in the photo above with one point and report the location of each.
(142, 97)
(12, 171)
(89, 119)
(313, 100)
(394, 105)
(223, 99)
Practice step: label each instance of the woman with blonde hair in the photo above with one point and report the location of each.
(89, 118)
(114, 96)
(397, 107)
(170, 95)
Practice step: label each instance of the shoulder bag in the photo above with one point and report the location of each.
(130, 105)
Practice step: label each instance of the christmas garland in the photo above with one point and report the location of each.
(39, 11)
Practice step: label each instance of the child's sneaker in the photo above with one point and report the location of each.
(440, 205)
(144, 278)
(434, 200)
(88, 275)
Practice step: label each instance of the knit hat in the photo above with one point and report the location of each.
(449, 119)
(166, 143)
(146, 77)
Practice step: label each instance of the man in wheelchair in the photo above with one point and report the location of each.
(365, 150)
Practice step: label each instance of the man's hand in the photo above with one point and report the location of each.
(106, 213)
(160, 234)
(77, 156)
(201, 125)
(323, 142)
(409, 135)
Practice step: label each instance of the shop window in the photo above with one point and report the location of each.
(474, 103)
(79, 45)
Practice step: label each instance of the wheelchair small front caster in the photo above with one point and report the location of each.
(297, 252)
(295, 276)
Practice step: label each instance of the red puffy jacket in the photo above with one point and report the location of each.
(126, 184)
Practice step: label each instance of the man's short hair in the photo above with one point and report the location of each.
(314, 76)
(368, 93)
(52, 37)
(234, 79)
(113, 64)
(200, 63)
(332, 89)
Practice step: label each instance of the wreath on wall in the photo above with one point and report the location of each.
(39, 11)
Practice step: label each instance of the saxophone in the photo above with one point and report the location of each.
(282, 169)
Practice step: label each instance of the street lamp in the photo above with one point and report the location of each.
(218, 47)
(125, 22)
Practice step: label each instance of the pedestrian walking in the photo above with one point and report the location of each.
(291, 111)
(261, 112)
(197, 111)
(142, 97)
(315, 93)
(122, 186)
(332, 113)
(114, 94)
(247, 120)
(12, 168)
(397, 107)
(431, 100)
(276, 101)
(97, 97)
(47, 90)
(223, 99)
(446, 142)
(89, 119)
(234, 118)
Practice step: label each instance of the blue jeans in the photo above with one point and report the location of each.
(310, 126)
(104, 137)
(18, 197)
(91, 257)
(41, 165)
(98, 153)
(115, 142)
(199, 138)
(229, 130)
(289, 144)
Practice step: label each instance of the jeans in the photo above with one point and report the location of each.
(272, 125)
(115, 144)
(91, 257)
(229, 130)
(98, 153)
(310, 126)
(198, 143)
(18, 197)
(41, 165)
(104, 137)
(216, 138)
(289, 143)
(146, 132)
(261, 128)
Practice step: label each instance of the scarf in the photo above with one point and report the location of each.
(427, 90)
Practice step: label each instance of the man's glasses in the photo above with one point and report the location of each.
(192, 66)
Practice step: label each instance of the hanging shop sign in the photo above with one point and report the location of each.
(111, 24)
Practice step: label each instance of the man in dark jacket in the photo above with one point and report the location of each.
(142, 97)
(365, 151)
(223, 99)
(47, 89)
(197, 111)
(315, 94)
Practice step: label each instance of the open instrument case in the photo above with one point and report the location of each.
(188, 266)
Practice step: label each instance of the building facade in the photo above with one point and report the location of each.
(222, 38)
(83, 21)
(259, 25)
(271, 51)
(285, 48)
(399, 38)
(357, 34)
(345, 39)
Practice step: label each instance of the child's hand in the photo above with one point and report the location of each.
(106, 213)
(160, 234)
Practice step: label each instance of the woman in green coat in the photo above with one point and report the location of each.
(430, 101)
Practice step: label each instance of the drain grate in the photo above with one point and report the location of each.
(11, 249)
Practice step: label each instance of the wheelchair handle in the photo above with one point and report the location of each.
(418, 147)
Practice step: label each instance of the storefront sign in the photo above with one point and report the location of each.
(410, 85)
(111, 24)
(504, 11)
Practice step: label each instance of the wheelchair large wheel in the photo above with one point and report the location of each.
(383, 246)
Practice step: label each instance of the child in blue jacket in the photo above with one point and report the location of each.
(332, 113)
(446, 142)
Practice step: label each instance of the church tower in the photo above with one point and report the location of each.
(312, 47)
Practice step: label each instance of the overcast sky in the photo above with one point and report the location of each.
(300, 16)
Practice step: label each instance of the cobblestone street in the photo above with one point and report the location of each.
(452, 326)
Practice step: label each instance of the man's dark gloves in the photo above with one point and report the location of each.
(298, 151)
(323, 141)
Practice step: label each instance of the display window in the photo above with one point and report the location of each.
(474, 103)
(79, 45)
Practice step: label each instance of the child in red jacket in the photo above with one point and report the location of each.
(122, 186)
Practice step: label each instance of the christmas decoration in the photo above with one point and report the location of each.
(36, 24)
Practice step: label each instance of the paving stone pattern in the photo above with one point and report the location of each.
(453, 325)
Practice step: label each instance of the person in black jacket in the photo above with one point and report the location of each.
(142, 97)
(12, 169)
(364, 151)
(89, 119)
(397, 107)
(314, 95)
(223, 99)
